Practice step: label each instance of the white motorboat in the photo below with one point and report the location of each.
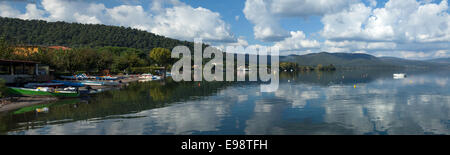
(399, 75)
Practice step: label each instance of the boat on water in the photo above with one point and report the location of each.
(70, 84)
(399, 75)
(42, 91)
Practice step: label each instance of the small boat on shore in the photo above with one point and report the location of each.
(42, 91)
(148, 77)
(399, 75)
(71, 84)
(78, 77)
(34, 85)
(145, 76)
(92, 83)
(106, 78)
(99, 83)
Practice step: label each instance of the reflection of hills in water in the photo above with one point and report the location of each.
(344, 77)
(306, 105)
(108, 105)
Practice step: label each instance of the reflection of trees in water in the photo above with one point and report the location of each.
(132, 99)
(344, 77)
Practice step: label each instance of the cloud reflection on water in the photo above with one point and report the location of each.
(415, 105)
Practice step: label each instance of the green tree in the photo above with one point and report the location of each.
(6, 52)
(127, 60)
(38, 32)
(162, 56)
(105, 60)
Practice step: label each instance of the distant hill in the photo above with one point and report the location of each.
(440, 60)
(38, 32)
(355, 60)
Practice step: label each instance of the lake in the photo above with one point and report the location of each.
(342, 102)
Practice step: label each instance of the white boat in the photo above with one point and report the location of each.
(155, 77)
(399, 75)
(146, 76)
(149, 77)
(92, 83)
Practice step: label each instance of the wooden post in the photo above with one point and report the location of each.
(23, 68)
(11, 68)
(36, 69)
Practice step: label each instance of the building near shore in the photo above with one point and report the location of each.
(20, 71)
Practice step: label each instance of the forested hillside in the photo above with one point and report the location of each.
(38, 32)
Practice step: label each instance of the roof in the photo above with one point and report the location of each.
(18, 61)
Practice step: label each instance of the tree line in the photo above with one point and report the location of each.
(38, 32)
(291, 66)
(91, 60)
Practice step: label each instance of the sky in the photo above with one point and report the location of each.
(412, 29)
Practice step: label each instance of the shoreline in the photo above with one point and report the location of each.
(25, 101)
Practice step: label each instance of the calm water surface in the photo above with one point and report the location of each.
(341, 102)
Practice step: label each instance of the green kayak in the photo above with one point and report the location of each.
(40, 92)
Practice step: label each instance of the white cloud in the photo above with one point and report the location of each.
(8, 11)
(168, 18)
(185, 22)
(305, 8)
(127, 15)
(442, 53)
(265, 14)
(347, 23)
(240, 42)
(32, 12)
(266, 26)
(398, 21)
(297, 41)
(407, 29)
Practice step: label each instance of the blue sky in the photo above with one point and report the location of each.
(414, 29)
